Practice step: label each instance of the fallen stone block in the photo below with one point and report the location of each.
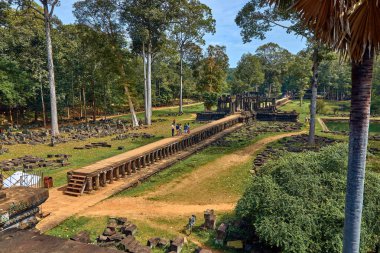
(176, 245)
(129, 229)
(83, 237)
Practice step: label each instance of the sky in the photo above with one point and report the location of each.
(227, 32)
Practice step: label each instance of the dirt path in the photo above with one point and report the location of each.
(146, 206)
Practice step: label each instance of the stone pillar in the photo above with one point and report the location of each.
(138, 165)
(116, 172)
(128, 168)
(97, 182)
(89, 184)
(111, 176)
(104, 179)
(143, 164)
(123, 168)
(133, 166)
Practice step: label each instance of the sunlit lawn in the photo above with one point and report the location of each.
(84, 157)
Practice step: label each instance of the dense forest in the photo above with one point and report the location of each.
(114, 54)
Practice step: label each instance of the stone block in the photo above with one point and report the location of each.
(109, 232)
(176, 245)
(129, 229)
(124, 244)
(210, 219)
(83, 236)
(221, 233)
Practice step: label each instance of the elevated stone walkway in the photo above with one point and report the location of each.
(162, 153)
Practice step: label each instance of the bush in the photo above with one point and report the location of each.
(321, 106)
(297, 202)
(210, 99)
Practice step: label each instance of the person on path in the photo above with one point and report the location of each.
(177, 128)
(188, 128)
(173, 128)
(185, 128)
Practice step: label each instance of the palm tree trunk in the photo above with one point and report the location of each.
(53, 98)
(359, 123)
(313, 102)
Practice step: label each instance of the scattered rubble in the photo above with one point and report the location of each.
(95, 145)
(295, 144)
(30, 162)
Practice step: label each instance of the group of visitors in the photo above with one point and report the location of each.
(177, 128)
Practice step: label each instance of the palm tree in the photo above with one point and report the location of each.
(352, 27)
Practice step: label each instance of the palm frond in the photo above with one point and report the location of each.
(350, 26)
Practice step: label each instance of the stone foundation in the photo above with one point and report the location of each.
(19, 206)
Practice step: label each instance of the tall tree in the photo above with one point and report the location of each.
(298, 75)
(250, 71)
(192, 22)
(213, 73)
(152, 19)
(350, 26)
(46, 14)
(275, 61)
(103, 16)
(257, 17)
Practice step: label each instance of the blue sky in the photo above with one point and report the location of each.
(227, 32)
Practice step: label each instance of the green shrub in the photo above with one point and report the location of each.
(297, 202)
(321, 106)
(210, 99)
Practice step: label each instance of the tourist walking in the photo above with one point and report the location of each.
(177, 129)
(185, 128)
(173, 128)
(188, 128)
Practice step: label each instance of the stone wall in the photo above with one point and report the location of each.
(20, 205)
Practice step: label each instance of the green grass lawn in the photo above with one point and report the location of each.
(374, 127)
(160, 129)
(188, 165)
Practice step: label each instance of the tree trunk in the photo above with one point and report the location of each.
(313, 102)
(270, 90)
(149, 86)
(135, 121)
(81, 104)
(93, 101)
(84, 104)
(10, 116)
(53, 99)
(181, 83)
(145, 86)
(358, 141)
(105, 101)
(43, 106)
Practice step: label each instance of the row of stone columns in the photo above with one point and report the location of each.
(123, 169)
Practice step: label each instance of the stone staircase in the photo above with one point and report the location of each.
(76, 185)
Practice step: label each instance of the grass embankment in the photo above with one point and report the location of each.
(161, 128)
